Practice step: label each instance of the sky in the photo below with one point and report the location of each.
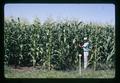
(100, 13)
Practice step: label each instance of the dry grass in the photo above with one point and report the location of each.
(31, 72)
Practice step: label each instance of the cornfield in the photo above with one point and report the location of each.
(55, 45)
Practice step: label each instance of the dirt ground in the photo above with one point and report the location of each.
(24, 69)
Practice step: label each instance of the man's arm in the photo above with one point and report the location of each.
(84, 45)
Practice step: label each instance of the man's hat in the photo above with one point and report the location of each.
(85, 38)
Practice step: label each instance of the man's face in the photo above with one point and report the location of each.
(85, 40)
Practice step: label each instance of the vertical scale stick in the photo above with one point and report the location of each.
(80, 64)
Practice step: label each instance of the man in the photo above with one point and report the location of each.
(86, 49)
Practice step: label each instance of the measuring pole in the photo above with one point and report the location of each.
(80, 64)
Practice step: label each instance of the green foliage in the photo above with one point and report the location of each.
(55, 45)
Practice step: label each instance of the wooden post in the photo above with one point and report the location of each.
(80, 64)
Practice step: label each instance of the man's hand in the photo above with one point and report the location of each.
(80, 45)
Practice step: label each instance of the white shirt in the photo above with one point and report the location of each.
(86, 47)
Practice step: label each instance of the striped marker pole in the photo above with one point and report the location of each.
(80, 64)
